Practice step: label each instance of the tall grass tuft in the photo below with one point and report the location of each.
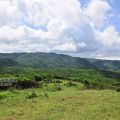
(3, 96)
(32, 95)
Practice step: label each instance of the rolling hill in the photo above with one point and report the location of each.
(53, 60)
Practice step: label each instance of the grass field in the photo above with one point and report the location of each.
(70, 103)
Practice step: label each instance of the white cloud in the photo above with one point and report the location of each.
(57, 26)
(69, 12)
(97, 11)
(9, 13)
(109, 36)
(11, 34)
(81, 45)
(57, 17)
(67, 46)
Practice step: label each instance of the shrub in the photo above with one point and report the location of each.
(58, 77)
(44, 95)
(86, 83)
(38, 78)
(118, 90)
(13, 90)
(32, 95)
(51, 87)
(47, 80)
(26, 84)
(58, 81)
(95, 85)
(58, 87)
(69, 84)
(3, 96)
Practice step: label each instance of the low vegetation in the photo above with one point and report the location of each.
(70, 103)
(59, 94)
(23, 78)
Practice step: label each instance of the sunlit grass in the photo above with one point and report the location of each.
(71, 103)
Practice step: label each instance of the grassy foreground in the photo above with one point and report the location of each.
(68, 104)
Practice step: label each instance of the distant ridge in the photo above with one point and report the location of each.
(53, 60)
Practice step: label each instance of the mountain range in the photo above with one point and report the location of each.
(53, 60)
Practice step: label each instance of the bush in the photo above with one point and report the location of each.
(58, 77)
(13, 90)
(58, 87)
(32, 95)
(3, 96)
(69, 84)
(97, 86)
(26, 84)
(38, 78)
(44, 95)
(86, 83)
(47, 80)
(58, 81)
(118, 90)
(51, 87)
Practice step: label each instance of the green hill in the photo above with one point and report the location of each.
(53, 60)
(106, 64)
(45, 60)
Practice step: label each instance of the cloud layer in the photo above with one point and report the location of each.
(62, 26)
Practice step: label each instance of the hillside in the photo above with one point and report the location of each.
(43, 60)
(105, 64)
(53, 60)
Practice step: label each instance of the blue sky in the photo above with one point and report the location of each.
(84, 28)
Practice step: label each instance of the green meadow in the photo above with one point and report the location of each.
(71, 102)
(59, 94)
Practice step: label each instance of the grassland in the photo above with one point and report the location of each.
(63, 94)
(69, 103)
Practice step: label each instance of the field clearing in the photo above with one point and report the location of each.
(68, 104)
